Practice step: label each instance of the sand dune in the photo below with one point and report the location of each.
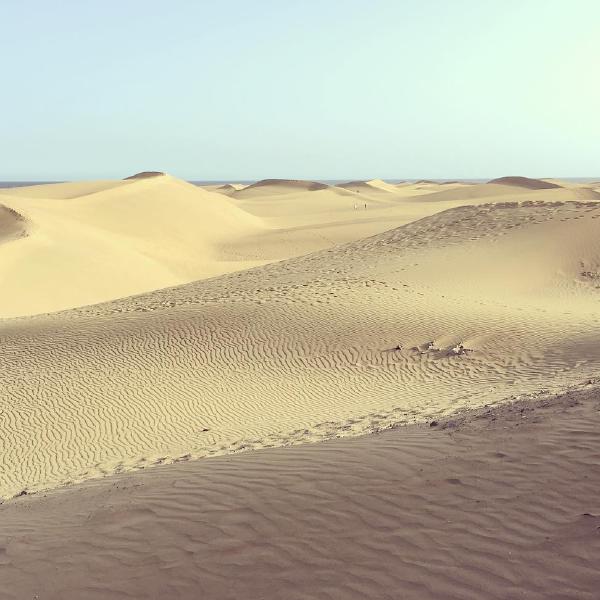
(307, 349)
(102, 240)
(413, 304)
(372, 186)
(119, 237)
(500, 503)
(146, 175)
(486, 192)
(525, 182)
(230, 187)
(63, 191)
(482, 192)
(268, 187)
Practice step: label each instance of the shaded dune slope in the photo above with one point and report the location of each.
(337, 343)
(12, 225)
(372, 186)
(267, 187)
(525, 182)
(146, 175)
(500, 503)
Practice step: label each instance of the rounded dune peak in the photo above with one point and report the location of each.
(231, 186)
(525, 182)
(146, 175)
(368, 185)
(292, 183)
(267, 187)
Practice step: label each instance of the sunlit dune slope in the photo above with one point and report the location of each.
(470, 305)
(98, 241)
(372, 186)
(69, 189)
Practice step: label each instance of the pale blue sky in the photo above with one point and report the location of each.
(232, 89)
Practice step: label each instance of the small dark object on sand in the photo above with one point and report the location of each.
(433, 424)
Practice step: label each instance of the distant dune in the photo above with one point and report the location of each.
(64, 190)
(370, 186)
(145, 175)
(267, 187)
(525, 182)
(231, 187)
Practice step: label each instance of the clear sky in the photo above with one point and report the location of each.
(246, 89)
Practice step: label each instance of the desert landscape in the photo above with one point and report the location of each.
(228, 387)
(300, 300)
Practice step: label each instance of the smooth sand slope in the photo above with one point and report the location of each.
(496, 504)
(272, 187)
(94, 241)
(340, 342)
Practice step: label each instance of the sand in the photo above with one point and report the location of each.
(500, 503)
(526, 182)
(297, 316)
(98, 241)
(306, 349)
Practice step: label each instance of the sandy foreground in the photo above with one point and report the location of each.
(497, 503)
(299, 312)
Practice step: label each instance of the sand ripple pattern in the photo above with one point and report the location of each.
(498, 504)
(298, 351)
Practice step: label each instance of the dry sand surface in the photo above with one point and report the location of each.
(340, 342)
(300, 312)
(496, 504)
